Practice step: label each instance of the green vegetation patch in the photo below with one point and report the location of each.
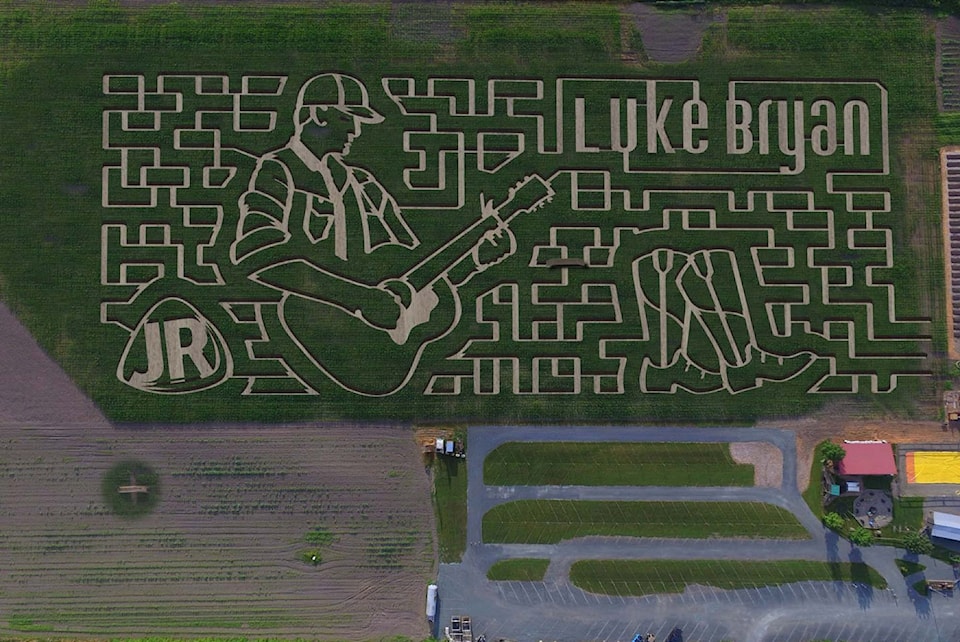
(645, 577)
(520, 570)
(538, 521)
(450, 504)
(907, 514)
(615, 464)
(813, 495)
(131, 489)
(25, 623)
(318, 538)
(907, 567)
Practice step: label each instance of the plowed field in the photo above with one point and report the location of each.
(220, 551)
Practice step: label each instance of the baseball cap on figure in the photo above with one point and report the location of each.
(342, 92)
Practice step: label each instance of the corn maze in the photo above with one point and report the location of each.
(495, 234)
(740, 278)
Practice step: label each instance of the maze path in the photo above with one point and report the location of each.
(740, 277)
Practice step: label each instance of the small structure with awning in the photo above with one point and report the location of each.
(945, 526)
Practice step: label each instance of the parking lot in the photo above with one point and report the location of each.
(554, 609)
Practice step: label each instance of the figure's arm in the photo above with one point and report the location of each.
(261, 249)
(377, 305)
(385, 222)
(264, 215)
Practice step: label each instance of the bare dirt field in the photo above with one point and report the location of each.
(671, 36)
(221, 549)
(219, 554)
(766, 459)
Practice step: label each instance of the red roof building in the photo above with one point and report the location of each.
(867, 458)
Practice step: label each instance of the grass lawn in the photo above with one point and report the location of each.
(615, 464)
(920, 586)
(520, 570)
(907, 515)
(906, 567)
(843, 506)
(813, 494)
(450, 503)
(551, 521)
(643, 577)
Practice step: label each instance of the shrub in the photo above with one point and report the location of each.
(833, 520)
(918, 543)
(861, 536)
(833, 452)
(319, 536)
(311, 557)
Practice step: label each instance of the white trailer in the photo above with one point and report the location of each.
(431, 602)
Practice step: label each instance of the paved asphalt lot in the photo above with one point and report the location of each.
(556, 610)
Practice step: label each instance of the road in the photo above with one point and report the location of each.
(556, 610)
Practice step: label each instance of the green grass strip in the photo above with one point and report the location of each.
(907, 567)
(523, 569)
(450, 504)
(813, 495)
(615, 464)
(645, 577)
(538, 521)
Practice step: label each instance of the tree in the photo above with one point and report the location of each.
(833, 520)
(833, 452)
(918, 543)
(861, 536)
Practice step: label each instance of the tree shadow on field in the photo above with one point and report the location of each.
(921, 603)
(832, 540)
(451, 465)
(860, 577)
(131, 475)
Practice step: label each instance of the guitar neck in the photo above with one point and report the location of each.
(529, 193)
(427, 271)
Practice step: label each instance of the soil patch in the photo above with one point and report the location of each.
(674, 35)
(33, 388)
(766, 459)
(953, 350)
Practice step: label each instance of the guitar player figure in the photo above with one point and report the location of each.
(321, 231)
